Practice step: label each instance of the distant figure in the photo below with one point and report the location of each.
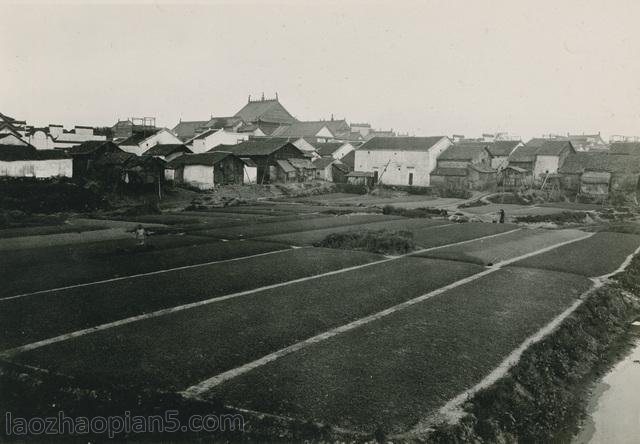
(141, 235)
(501, 216)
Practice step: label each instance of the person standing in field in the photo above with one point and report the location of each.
(501, 216)
(141, 235)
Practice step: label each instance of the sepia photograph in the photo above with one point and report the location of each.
(330, 221)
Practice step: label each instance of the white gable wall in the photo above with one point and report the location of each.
(343, 151)
(163, 137)
(394, 167)
(200, 176)
(545, 164)
(220, 137)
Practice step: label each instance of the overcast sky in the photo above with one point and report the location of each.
(427, 68)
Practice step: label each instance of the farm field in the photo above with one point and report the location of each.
(328, 335)
(396, 371)
(311, 236)
(272, 228)
(505, 246)
(600, 254)
(125, 261)
(46, 229)
(24, 320)
(245, 328)
(453, 233)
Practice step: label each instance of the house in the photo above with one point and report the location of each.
(206, 170)
(361, 128)
(400, 160)
(167, 151)
(305, 169)
(576, 164)
(330, 169)
(513, 177)
(268, 114)
(595, 183)
(349, 160)
(337, 150)
(499, 152)
(123, 129)
(316, 131)
(85, 154)
(588, 142)
(464, 165)
(541, 156)
(19, 159)
(265, 153)
(215, 136)
(187, 130)
(625, 148)
(141, 141)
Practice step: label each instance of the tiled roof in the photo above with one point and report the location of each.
(286, 166)
(400, 143)
(502, 148)
(327, 149)
(463, 151)
(323, 162)
(266, 111)
(139, 136)
(481, 168)
(578, 162)
(187, 129)
(209, 158)
(91, 146)
(301, 129)
(166, 149)
(9, 153)
(255, 147)
(460, 172)
(553, 147)
(302, 164)
(625, 148)
(115, 158)
(349, 160)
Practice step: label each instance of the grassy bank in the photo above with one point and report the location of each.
(543, 398)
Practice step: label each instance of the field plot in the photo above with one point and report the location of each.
(272, 228)
(311, 236)
(41, 316)
(180, 349)
(451, 234)
(503, 247)
(46, 229)
(394, 372)
(600, 254)
(82, 266)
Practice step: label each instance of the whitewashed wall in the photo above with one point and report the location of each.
(401, 164)
(161, 137)
(220, 137)
(37, 168)
(544, 164)
(200, 176)
(250, 175)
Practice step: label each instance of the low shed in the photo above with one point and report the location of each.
(206, 170)
(595, 183)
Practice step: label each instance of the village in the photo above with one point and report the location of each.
(263, 143)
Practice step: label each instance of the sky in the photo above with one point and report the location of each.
(423, 68)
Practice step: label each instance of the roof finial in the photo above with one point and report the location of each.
(263, 96)
(276, 95)
(249, 98)
(332, 117)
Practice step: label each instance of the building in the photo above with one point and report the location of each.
(213, 137)
(541, 156)
(85, 155)
(625, 148)
(265, 153)
(349, 160)
(336, 150)
(500, 151)
(206, 170)
(400, 160)
(313, 131)
(587, 142)
(464, 165)
(361, 178)
(268, 114)
(187, 130)
(123, 129)
(361, 128)
(330, 169)
(582, 172)
(19, 159)
(141, 141)
(9, 125)
(56, 137)
(168, 151)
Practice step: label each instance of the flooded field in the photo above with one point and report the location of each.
(614, 409)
